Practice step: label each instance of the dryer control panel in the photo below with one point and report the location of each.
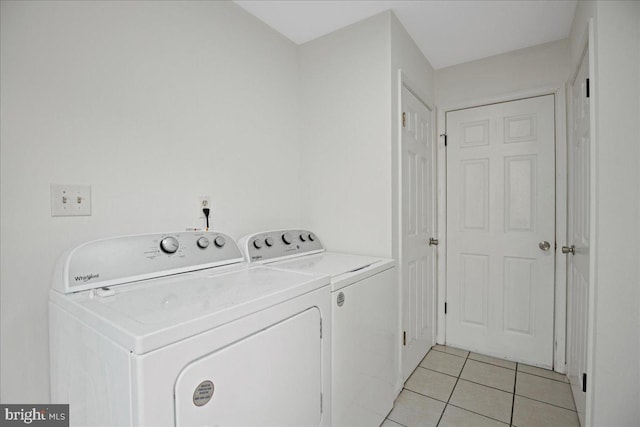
(124, 259)
(279, 244)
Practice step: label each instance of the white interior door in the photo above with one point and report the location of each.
(418, 219)
(501, 229)
(578, 258)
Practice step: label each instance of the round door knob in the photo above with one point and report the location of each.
(257, 243)
(219, 241)
(312, 237)
(544, 245)
(287, 239)
(268, 241)
(303, 238)
(169, 245)
(203, 243)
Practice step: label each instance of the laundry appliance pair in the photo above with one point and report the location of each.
(177, 329)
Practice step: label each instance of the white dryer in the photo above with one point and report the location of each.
(365, 325)
(174, 329)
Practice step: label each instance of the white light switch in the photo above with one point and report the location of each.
(70, 200)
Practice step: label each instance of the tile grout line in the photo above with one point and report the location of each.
(468, 357)
(547, 403)
(478, 413)
(492, 364)
(487, 386)
(513, 397)
(463, 379)
(404, 388)
(501, 366)
(452, 390)
(546, 378)
(480, 384)
(394, 404)
(542, 401)
(439, 372)
(424, 395)
(452, 354)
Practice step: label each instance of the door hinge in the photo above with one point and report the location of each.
(404, 119)
(584, 383)
(320, 328)
(587, 87)
(444, 135)
(320, 402)
(404, 337)
(445, 308)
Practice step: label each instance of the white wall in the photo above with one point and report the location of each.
(349, 143)
(614, 382)
(153, 104)
(522, 70)
(346, 169)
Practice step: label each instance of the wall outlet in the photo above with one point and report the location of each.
(70, 200)
(203, 202)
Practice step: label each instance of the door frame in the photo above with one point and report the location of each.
(404, 81)
(560, 278)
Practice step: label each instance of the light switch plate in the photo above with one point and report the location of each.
(70, 200)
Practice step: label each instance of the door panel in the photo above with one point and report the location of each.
(578, 263)
(500, 207)
(417, 258)
(271, 378)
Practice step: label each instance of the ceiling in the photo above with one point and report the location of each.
(448, 32)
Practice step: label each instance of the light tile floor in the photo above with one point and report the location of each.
(456, 388)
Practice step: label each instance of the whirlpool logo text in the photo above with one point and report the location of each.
(87, 277)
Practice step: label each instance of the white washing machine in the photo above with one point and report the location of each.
(175, 329)
(365, 325)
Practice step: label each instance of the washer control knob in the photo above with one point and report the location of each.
(287, 239)
(219, 241)
(203, 243)
(303, 238)
(269, 241)
(257, 243)
(169, 245)
(312, 237)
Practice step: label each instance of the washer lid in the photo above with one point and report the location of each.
(342, 268)
(154, 313)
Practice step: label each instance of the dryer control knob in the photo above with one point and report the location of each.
(269, 241)
(257, 243)
(219, 241)
(312, 237)
(287, 239)
(203, 242)
(169, 245)
(303, 238)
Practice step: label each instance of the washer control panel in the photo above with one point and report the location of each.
(271, 245)
(124, 259)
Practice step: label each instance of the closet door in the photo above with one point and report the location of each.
(501, 229)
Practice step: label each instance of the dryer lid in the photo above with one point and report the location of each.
(154, 313)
